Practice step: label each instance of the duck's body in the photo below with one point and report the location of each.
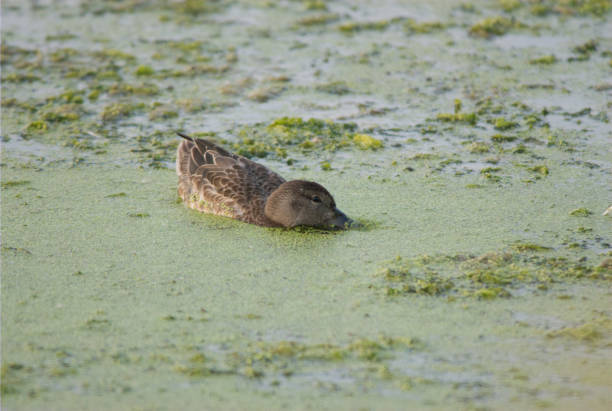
(213, 180)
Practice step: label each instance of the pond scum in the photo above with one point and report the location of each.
(523, 270)
(486, 120)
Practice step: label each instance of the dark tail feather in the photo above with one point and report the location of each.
(185, 136)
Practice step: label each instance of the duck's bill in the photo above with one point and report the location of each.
(341, 221)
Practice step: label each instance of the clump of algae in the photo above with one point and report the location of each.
(285, 358)
(485, 277)
(366, 141)
(493, 26)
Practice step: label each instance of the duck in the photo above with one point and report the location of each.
(215, 181)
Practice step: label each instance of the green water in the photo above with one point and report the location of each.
(116, 296)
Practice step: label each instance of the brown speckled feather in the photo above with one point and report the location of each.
(213, 180)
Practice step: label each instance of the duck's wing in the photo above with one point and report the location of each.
(233, 185)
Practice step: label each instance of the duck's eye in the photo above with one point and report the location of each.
(316, 199)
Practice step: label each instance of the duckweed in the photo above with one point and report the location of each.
(503, 124)
(353, 27)
(162, 113)
(62, 113)
(581, 212)
(412, 26)
(14, 183)
(588, 332)
(318, 20)
(144, 71)
(586, 48)
(335, 87)
(546, 60)
(112, 54)
(485, 277)
(541, 169)
(124, 89)
(571, 7)
(493, 26)
(469, 118)
(365, 142)
(37, 126)
(263, 94)
(20, 78)
(116, 111)
(500, 138)
(529, 247)
(479, 148)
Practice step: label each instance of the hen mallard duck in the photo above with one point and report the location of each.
(213, 180)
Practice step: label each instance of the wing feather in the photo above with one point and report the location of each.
(211, 179)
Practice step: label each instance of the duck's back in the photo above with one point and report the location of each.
(213, 180)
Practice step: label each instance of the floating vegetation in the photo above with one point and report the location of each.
(412, 26)
(116, 111)
(591, 331)
(545, 60)
(500, 138)
(485, 277)
(14, 183)
(162, 112)
(318, 19)
(20, 78)
(144, 71)
(353, 27)
(469, 118)
(37, 126)
(287, 133)
(286, 358)
(265, 93)
(503, 124)
(335, 87)
(479, 147)
(581, 212)
(566, 7)
(365, 142)
(494, 26)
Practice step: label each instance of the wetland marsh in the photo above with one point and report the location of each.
(470, 139)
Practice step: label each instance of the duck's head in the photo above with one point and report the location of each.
(300, 202)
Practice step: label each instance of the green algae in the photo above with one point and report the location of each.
(20, 78)
(176, 262)
(335, 87)
(540, 169)
(500, 138)
(545, 60)
(493, 26)
(116, 111)
(367, 142)
(37, 126)
(62, 113)
(581, 212)
(317, 19)
(486, 277)
(14, 183)
(352, 27)
(469, 118)
(162, 112)
(412, 26)
(503, 124)
(479, 148)
(596, 8)
(144, 71)
(589, 332)
(263, 94)
(124, 89)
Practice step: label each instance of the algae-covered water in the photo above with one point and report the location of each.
(470, 139)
